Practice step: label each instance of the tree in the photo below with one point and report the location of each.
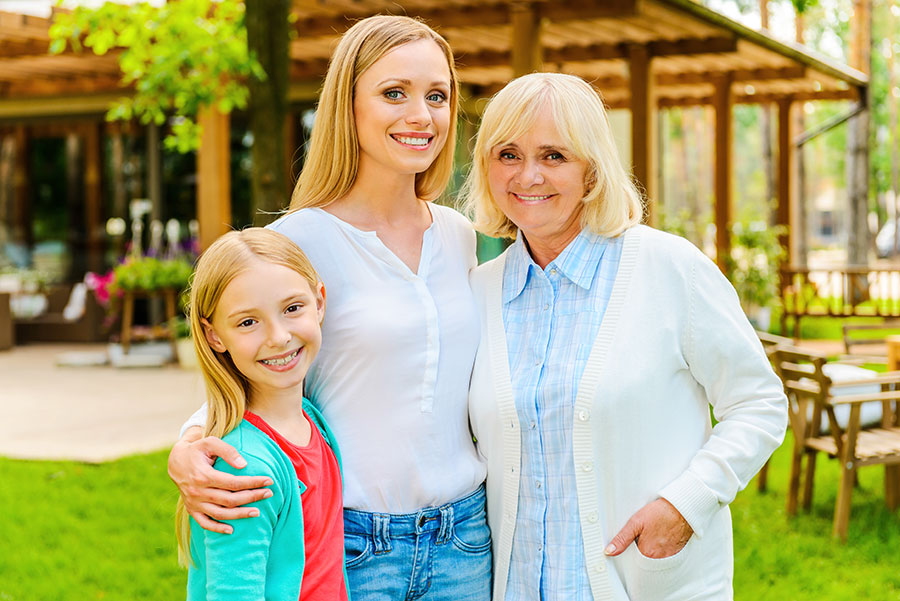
(190, 54)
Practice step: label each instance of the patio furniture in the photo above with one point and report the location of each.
(7, 333)
(55, 325)
(871, 345)
(814, 400)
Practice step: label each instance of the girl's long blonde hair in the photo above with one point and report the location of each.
(227, 389)
(332, 161)
(611, 202)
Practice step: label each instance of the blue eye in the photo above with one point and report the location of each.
(555, 156)
(507, 155)
(436, 97)
(394, 94)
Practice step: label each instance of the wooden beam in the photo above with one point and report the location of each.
(93, 196)
(526, 38)
(213, 176)
(738, 75)
(484, 15)
(722, 103)
(643, 125)
(786, 199)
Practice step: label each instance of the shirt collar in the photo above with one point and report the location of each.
(578, 262)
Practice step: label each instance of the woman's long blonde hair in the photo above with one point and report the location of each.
(227, 389)
(332, 161)
(611, 202)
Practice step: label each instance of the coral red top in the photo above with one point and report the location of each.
(323, 517)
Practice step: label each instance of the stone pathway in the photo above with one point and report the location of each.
(90, 414)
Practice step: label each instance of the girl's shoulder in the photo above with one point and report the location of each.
(262, 454)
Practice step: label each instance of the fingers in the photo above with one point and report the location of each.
(665, 532)
(631, 530)
(216, 447)
(208, 524)
(224, 499)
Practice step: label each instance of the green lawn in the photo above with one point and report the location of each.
(70, 531)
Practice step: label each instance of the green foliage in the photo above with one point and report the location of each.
(180, 57)
(752, 266)
(150, 273)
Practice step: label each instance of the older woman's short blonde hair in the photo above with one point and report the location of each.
(612, 202)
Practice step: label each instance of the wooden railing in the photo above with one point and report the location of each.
(839, 292)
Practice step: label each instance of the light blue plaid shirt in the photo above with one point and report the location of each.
(552, 317)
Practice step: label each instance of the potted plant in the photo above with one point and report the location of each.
(184, 344)
(752, 268)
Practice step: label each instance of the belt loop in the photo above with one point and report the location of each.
(381, 533)
(446, 530)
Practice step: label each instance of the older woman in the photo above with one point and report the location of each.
(604, 343)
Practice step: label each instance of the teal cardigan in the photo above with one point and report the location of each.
(263, 558)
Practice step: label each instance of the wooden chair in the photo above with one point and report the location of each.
(812, 398)
(770, 342)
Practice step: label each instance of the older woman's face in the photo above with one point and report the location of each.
(538, 183)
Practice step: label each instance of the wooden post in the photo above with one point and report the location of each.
(786, 199)
(21, 225)
(213, 176)
(93, 197)
(526, 38)
(292, 153)
(722, 101)
(644, 115)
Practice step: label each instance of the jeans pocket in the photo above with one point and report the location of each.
(357, 549)
(472, 535)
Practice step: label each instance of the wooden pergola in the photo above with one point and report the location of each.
(642, 55)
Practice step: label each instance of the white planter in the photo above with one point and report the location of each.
(187, 357)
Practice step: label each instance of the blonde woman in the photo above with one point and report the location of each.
(402, 326)
(604, 344)
(255, 312)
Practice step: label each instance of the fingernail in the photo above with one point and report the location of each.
(254, 513)
(228, 531)
(240, 462)
(610, 549)
(268, 483)
(267, 494)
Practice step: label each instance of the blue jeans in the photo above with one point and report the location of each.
(436, 554)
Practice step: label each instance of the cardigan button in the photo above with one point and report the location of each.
(584, 415)
(593, 517)
(587, 466)
(512, 424)
(600, 567)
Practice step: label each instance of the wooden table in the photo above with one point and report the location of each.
(167, 294)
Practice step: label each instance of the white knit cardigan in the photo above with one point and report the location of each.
(673, 342)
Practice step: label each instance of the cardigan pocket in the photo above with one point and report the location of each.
(699, 571)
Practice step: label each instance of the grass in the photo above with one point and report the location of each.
(78, 532)
(70, 531)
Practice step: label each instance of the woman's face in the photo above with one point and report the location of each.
(538, 183)
(402, 109)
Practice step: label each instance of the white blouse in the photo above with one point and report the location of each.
(393, 373)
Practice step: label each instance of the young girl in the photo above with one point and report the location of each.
(256, 310)
(402, 326)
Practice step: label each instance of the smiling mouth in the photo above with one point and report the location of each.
(281, 361)
(416, 142)
(532, 198)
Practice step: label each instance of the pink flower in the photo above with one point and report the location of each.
(100, 285)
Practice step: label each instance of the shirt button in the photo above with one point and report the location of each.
(587, 466)
(537, 484)
(537, 361)
(533, 425)
(584, 415)
(540, 547)
(546, 306)
(553, 271)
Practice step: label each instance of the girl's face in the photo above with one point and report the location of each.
(402, 109)
(268, 320)
(539, 183)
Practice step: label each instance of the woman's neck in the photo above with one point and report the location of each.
(379, 197)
